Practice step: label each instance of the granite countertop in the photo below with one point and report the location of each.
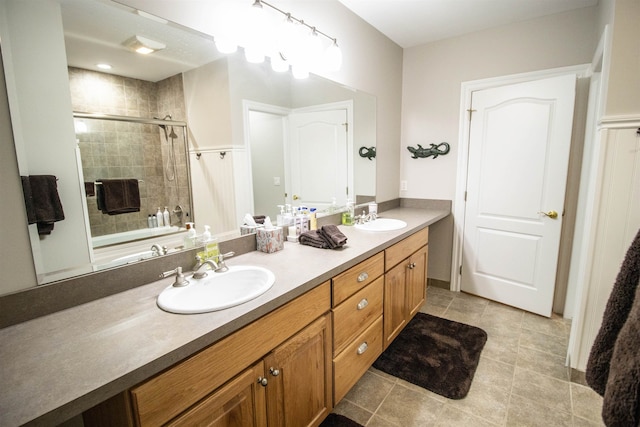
(56, 366)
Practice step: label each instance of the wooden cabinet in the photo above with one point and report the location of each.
(405, 282)
(229, 383)
(357, 322)
(299, 375)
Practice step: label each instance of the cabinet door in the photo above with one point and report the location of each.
(416, 281)
(239, 403)
(299, 374)
(395, 317)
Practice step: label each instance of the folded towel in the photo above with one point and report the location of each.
(333, 235)
(118, 196)
(615, 315)
(315, 239)
(259, 219)
(42, 199)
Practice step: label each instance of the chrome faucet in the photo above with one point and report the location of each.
(217, 267)
(158, 250)
(361, 219)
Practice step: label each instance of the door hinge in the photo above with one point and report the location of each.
(471, 111)
(460, 270)
(346, 127)
(465, 196)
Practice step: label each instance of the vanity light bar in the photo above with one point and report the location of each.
(259, 3)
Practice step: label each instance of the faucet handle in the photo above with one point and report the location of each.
(221, 257)
(180, 280)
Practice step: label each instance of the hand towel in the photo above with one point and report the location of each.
(90, 189)
(333, 235)
(118, 196)
(615, 315)
(313, 238)
(47, 207)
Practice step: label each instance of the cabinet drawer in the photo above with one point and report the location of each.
(357, 277)
(356, 313)
(405, 248)
(161, 398)
(354, 361)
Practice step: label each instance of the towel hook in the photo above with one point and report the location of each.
(222, 154)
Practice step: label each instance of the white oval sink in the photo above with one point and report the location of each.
(217, 291)
(382, 224)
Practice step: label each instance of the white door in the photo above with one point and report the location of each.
(318, 158)
(518, 156)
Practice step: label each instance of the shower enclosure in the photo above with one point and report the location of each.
(151, 150)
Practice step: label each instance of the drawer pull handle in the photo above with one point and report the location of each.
(362, 304)
(262, 381)
(363, 276)
(363, 347)
(274, 372)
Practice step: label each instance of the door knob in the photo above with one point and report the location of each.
(296, 197)
(550, 214)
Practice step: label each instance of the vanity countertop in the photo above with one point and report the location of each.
(56, 366)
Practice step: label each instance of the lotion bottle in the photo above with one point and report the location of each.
(160, 218)
(166, 218)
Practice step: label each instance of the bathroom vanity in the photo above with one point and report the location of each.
(121, 360)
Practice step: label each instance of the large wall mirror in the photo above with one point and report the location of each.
(217, 136)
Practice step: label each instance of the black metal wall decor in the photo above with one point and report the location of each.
(434, 150)
(369, 153)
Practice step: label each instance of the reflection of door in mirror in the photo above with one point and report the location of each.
(318, 158)
(128, 147)
(299, 157)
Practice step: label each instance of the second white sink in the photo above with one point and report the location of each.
(217, 291)
(382, 224)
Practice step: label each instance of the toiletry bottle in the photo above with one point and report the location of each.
(160, 218)
(149, 221)
(211, 250)
(154, 221)
(280, 218)
(190, 238)
(313, 221)
(334, 206)
(166, 218)
(347, 217)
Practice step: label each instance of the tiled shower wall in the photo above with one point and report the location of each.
(115, 149)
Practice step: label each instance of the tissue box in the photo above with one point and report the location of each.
(249, 229)
(270, 240)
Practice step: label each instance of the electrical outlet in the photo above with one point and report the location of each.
(403, 185)
(276, 180)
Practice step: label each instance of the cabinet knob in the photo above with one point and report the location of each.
(411, 265)
(274, 372)
(262, 381)
(363, 347)
(363, 276)
(362, 304)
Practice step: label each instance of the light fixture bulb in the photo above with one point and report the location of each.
(299, 71)
(253, 55)
(278, 64)
(333, 57)
(104, 66)
(225, 46)
(143, 45)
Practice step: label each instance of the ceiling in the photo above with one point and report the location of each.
(411, 23)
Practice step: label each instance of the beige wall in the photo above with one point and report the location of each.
(432, 78)
(623, 92)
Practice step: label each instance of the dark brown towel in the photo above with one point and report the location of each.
(90, 189)
(47, 207)
(313, 238)
(259, 219)
(621, 404)
(118, 196)
(333, 235)
(615, 314)
(28, 200)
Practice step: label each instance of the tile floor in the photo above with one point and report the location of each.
(521, 379)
